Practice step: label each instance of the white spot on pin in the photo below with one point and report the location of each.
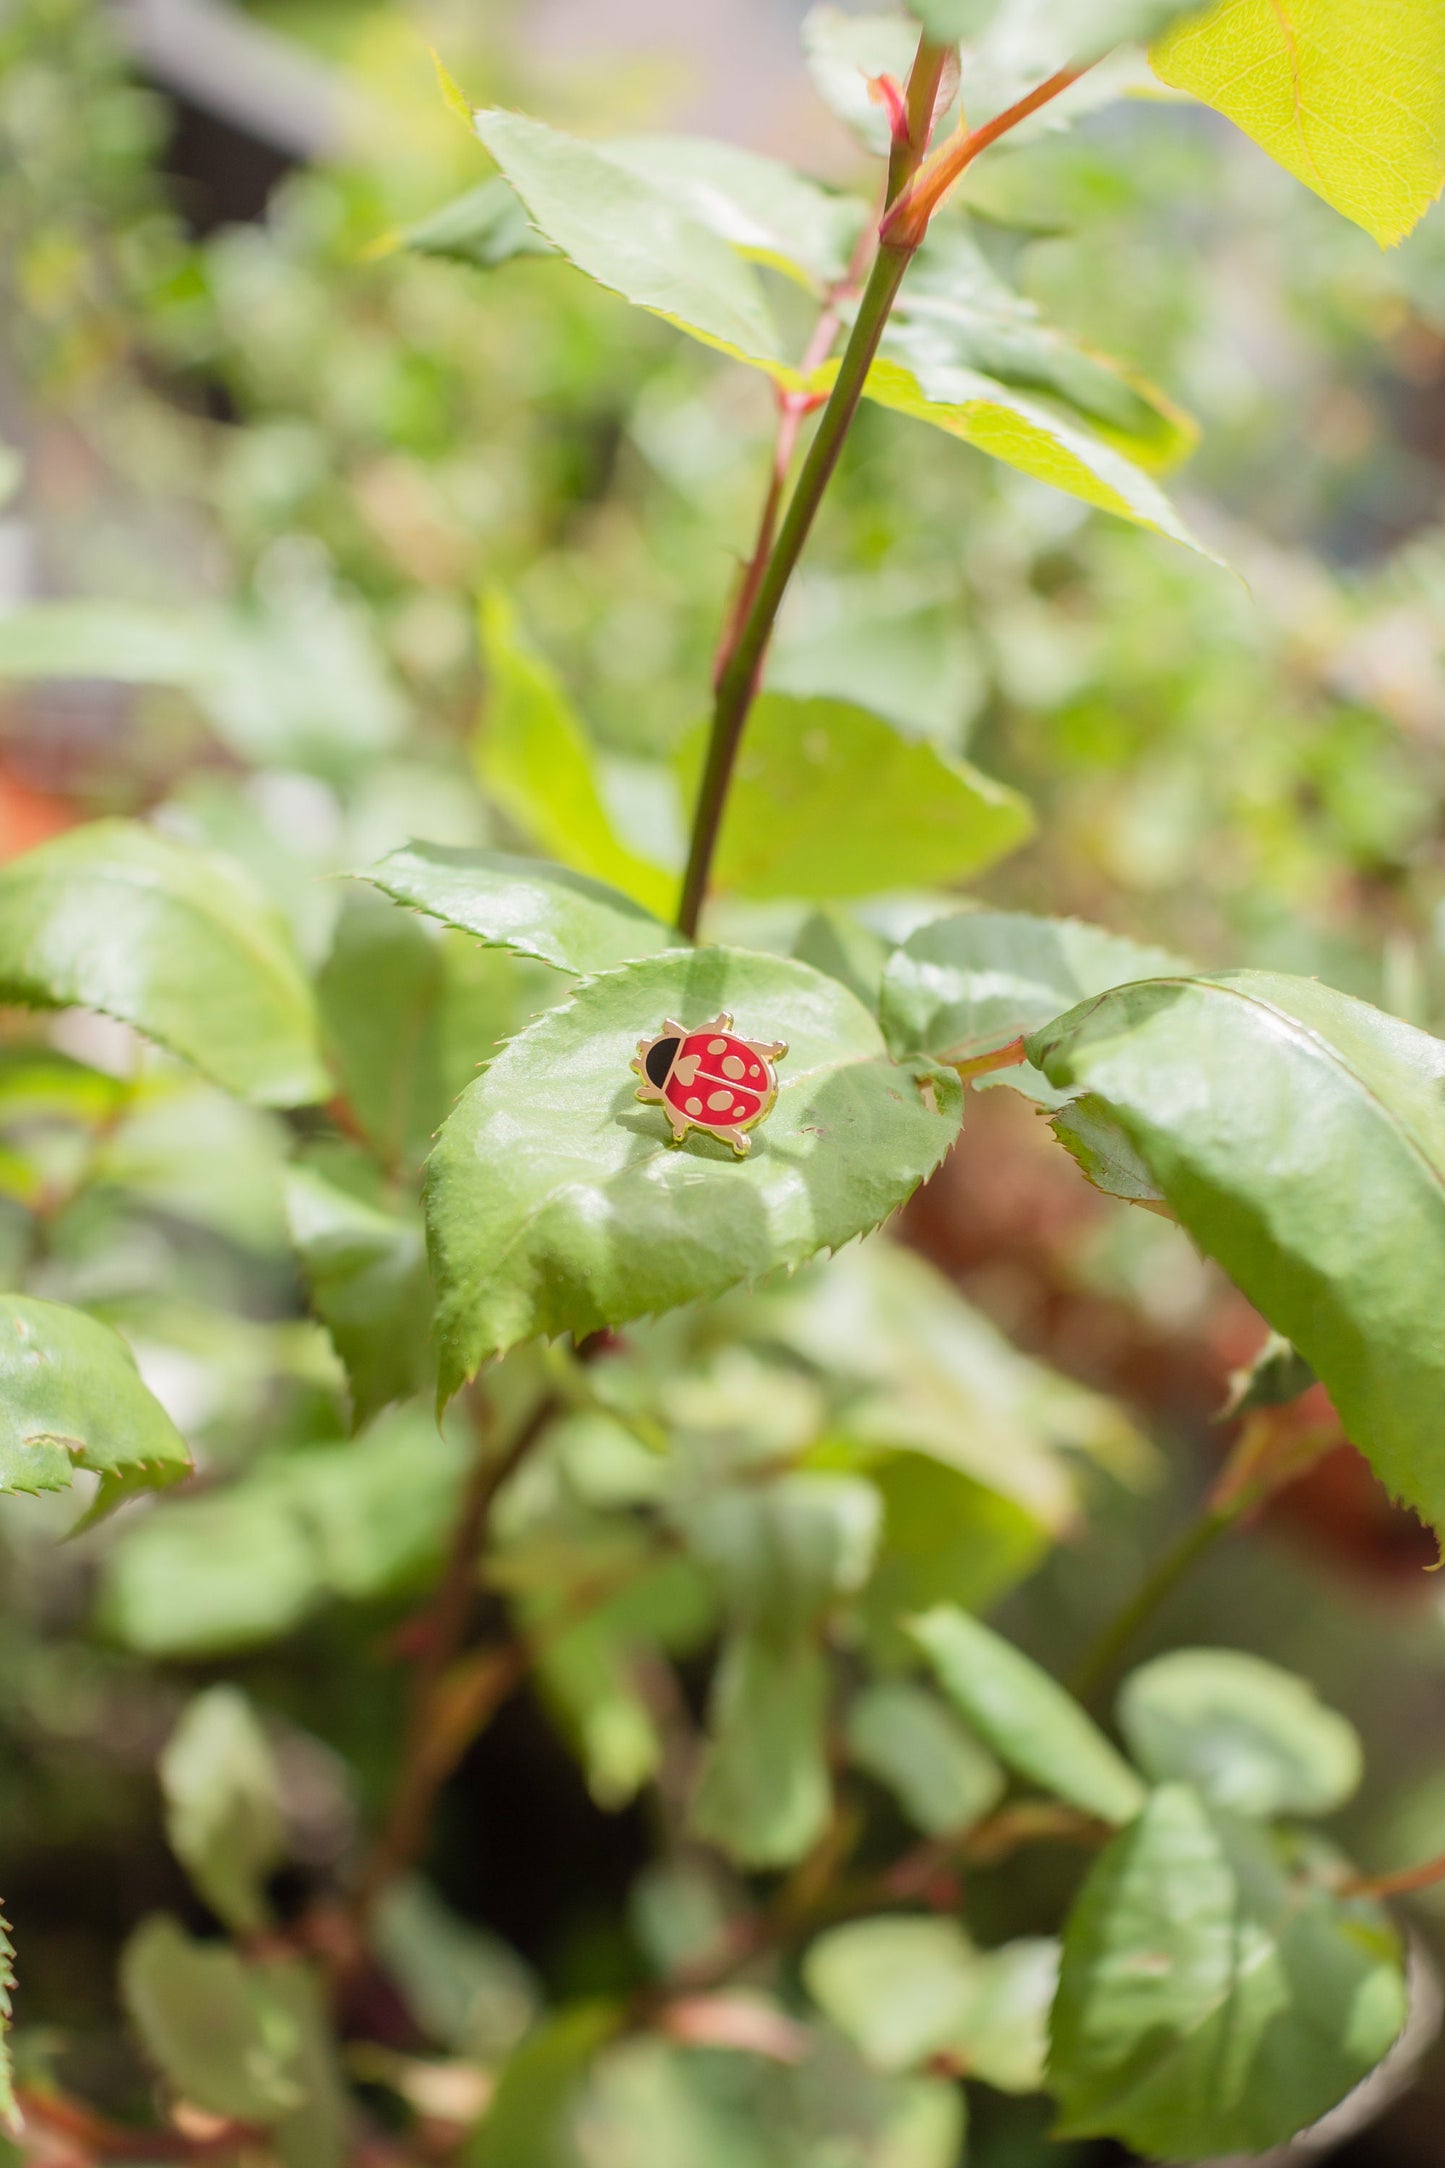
(694, 1106)
(731, 1066)
(719, 1100)
(717, 1046)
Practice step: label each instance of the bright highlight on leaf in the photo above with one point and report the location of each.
(71, 1398)
(539, 909)
(169, 938)
(1212, 1999)
(1348, 95)
(1299, 1136)
(1244, 1733)
(554, 1203)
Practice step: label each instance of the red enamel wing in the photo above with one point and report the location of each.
(709, 1079)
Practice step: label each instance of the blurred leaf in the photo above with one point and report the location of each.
(9, 2113)
(184, 1149)
(171, 939)
(316, 2132)
(526, 2124)
(1024, 432)
(783, 1551)
(72, 1398)
(1004, 2038)
(954, 311)
(1212, 2000)
(764, 1795)
(1277, 1375)
(844, 52)
(245, 1565)
(533, 757)
(486, 226)
(1350, 100)
(1245, 1734)
(560, 917)
(366, 1272)
(947, 1538)
(218, 2033)
(1339, 1240)
(123, 642)
(466, 1988)
(830, 801)
(1026, 41)
(903, 1736)
(587, 1227)
(223, 1808)
(899, 1988)
(1031, 1723)
(633, 235)
(761, 207)
(409, 1018)
(1102, 1151)
(836, 943)
(967, 984)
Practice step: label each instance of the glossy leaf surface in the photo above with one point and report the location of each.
(555, 1203)
(171, 939)
(527, 904)
(72, 1398)
(1299, 1136)
(829, 801)
(965, 985)
(1247, 1735)
(1026, 1717)
(1211, 2000)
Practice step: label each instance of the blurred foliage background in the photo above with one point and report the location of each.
(249, 418)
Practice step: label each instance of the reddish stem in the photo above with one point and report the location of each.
(1405, 1883)
(907, 220)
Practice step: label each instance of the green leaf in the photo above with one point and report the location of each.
(71, 1397)
(1025, 1716)
(555, 1203)
(409, 1017)
(903, 1735)
(831, 801)
(783, 1551)
(316, 2133)
(119, 641)
(223, 1808)
(560, 917)
(899, 1988)
(844, 52)
(965, 985)
(1349, 99)
(764, 1793)
(173, 940)
(209, 2022)
(1212, 2000)
(533, 757)
(366, 1273)
(762, 208)
(954, 311)
(485, 226)
(1023, 432)
(9, 2112)
(1277, 1375)
(1103, 1153)
(1245, 1734)
(632, 235)
(947, 1538)
(1004, 2038)
(1299, 1136)
(525, 2125)
(465, 1987)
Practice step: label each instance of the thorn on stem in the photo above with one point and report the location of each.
(886, 91)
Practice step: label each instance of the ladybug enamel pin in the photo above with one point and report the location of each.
(709, 1079)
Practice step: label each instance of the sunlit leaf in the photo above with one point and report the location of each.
(633, 235)
(527, 904)
(1299, 1136)
(954, 311)
(762, 208)
(533, 757)
(1212, 2000)
(1103, 1152)
(171, 939)
(465, 1987)
(1349, 98)
(782, 1551)
(764, 1792)
(905, 1737)
(525, 2124)
(844, 52)
(1025, 1716)
(71, 1398)
(555, 1202)
(485, 226)
(366, 1271)
(1244, 1733)
(965, 985)
(830, 801)
(209, 2022)
(223, 1808)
